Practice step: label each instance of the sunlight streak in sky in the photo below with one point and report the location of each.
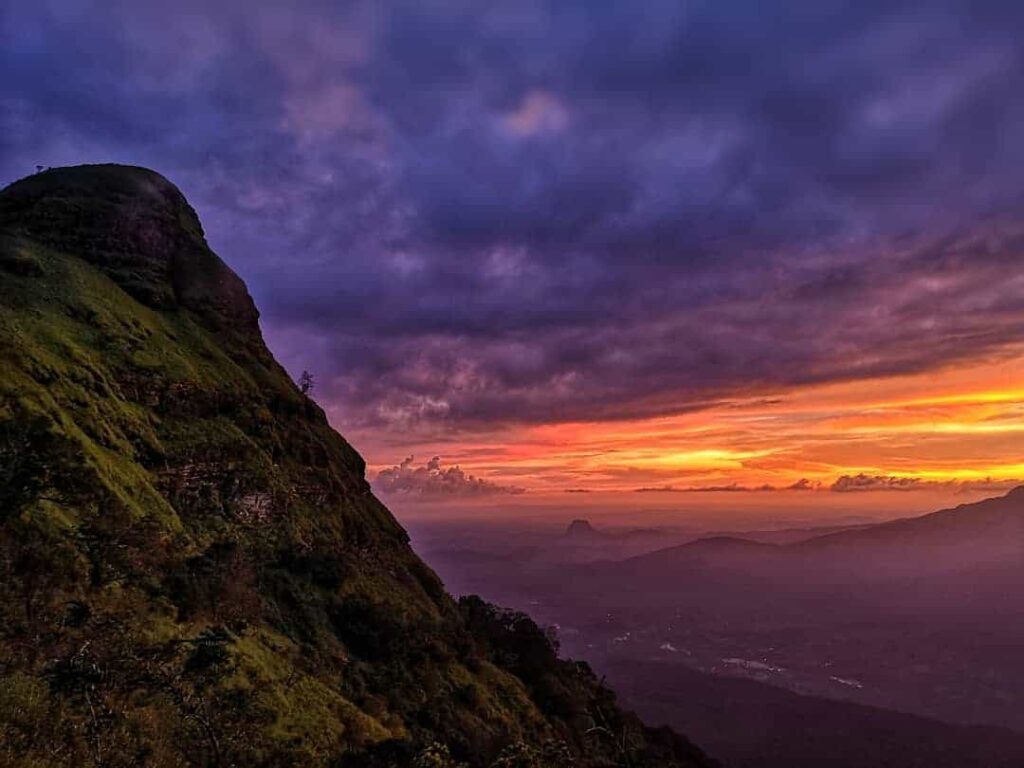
(956, 427)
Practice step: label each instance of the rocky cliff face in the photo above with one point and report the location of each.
(193, 569)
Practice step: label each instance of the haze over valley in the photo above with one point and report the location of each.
(918, 615)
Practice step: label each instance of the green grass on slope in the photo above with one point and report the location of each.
(193, 570)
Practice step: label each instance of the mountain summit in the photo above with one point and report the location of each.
(581, 528)
(138, 229)
(193, 568)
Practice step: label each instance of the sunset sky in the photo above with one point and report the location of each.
(665, 255)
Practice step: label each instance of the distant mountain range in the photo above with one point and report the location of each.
(582, 529)
(991, 530)
(986, 535)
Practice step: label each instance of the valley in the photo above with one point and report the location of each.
(920, 617)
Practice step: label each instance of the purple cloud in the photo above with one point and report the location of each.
(431, 479)
(465, 215)
(863, 482)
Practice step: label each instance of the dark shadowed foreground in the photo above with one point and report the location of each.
(750, 724)
(193, 570)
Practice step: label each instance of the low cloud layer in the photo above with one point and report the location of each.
(848, 484)
(863, 482)
(458, 215)
(799, 485)
(431, 479)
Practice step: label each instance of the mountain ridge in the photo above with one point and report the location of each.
(1007, 509)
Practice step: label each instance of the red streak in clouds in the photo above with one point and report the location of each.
(954, 431)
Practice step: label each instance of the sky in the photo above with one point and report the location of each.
(632, 255)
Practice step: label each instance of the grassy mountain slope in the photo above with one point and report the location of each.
(193, 569)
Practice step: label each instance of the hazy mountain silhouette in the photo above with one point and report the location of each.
(986, 535)
(581, 529)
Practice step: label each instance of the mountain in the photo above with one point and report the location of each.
(989, 531)
(193, 568)
(786, 535)
(581, 528)
(707, 550)
(985, 536)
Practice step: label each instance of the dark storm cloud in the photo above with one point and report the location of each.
(529, 211)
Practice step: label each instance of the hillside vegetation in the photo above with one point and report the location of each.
(193, 568)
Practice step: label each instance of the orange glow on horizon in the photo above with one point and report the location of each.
(963, 424)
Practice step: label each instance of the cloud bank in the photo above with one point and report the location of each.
(861, 482)
(800, 485)
(431, 479)
(864, 482)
